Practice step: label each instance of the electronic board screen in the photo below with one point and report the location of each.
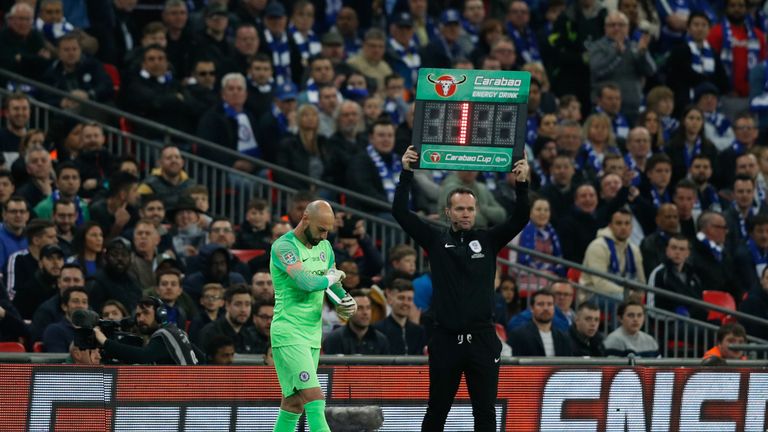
(470, 120)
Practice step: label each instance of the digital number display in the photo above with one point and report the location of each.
(464, 123)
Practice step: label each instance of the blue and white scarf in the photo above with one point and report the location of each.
(659, 199)
(309, 45)
(681, 7)
(246, 140)
(618, 122)
(632, 166)
(261, 89)
(760, 102)
(532, 129)
(471, 30)
(718, 121)
(164, 79)
(544, 179)
(713, 201)
(528, 238)
(753, 210)
(702, 59)
(410, 56)
(759, 258)
(630, 269)
(281, 56)
(689, 154)
(391, 107)
(738, 148)
(389, 175)
(282, 120)
(669, 125)
(588, 158)
(53, 31)
(525, 45)
(726, 53)
(332, 8)
(313, 92)
(352, 46)
(714, 249)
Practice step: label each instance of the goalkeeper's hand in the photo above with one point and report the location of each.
(335, 276)
(346, 308)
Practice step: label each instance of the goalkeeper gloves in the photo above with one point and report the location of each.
(335, 276)
(346, 308)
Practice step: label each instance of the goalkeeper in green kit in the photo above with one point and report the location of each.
(303, 270)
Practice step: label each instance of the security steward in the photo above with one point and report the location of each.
(167, 343)
(463, 263)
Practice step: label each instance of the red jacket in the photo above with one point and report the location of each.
(740, 73)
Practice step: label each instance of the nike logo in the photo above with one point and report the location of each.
(448, 245)
(304, 260)
(496, 360)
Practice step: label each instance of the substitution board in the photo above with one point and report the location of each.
(470, 120)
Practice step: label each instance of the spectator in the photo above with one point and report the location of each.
(628, 338)
(116, 212)
(508, 302)
(230, 125)
(90, 356)
(220, 350)
(246, 46)
(716, 125)
(756, 304)
(651, 120)
(355, 244)
(22, 264)
(654, 245)
(654, 192)
(307, 152)
(285, 55)
(41, 176)
(586, 340)
(15, 217)
(7, 188)
(711, 260)
(474, 18)
(565, 294)
(200, 196)
(728, 334)
(357, 337)
(22, 47)
(67, 188)
(609, 97)
(402, 260)
(41, 284)
(599, 141)
(638, 152)
(676, 275)
(154, 94)
(58, 336)
(661, 100)
(375, 171)
(87, 247)
(688, 142)
(91, 158)
(489, 211)
(237, 302)
(221, 232)
(370, 61)
(353, 279)
(445, 48)
(518, 28)
(394, 104)
(175, 17)
(745, 129)
(693, 62)
(168, 289)
(751, 256)
(404, 336)
(212, 42)
(582, 221)
(51, 21)
(740, 46)
(113, 281)
(77, 74)
(402, 52)
(611, 252)
(169, 179)
(201, 85)
(539, 235)
(300, 30)
(263, 312)
(744, 207)
(215, 268)
(262, 288)
(114, 310)
(538, 338)
(281, 119)
(152, 33)
(187, 236)
(65, 217)
(700, 172)
(255, 231)
(560, 191)
(50, 311)
(261, 85)
(211, 309)
(145, 258)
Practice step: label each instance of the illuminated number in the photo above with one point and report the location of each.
(506, 119)
(482, 123)
(453, 126)
(432, 122)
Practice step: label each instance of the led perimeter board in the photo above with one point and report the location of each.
(470, 120)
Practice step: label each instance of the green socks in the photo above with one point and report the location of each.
(286, 421)
(315, 412)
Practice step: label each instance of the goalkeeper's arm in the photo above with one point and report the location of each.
(286, 258)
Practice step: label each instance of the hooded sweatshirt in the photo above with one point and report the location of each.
(193, 284)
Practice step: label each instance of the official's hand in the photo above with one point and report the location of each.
(409, 158)
(347, 307)
(100, 338)
(335, 276)
(521, 170)
(2, 312)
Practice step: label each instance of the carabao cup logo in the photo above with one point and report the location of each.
(445, 85)
(435, 157)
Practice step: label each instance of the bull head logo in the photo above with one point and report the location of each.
(445, 85)
(435, 157)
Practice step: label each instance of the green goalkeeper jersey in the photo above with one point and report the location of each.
(298, 274)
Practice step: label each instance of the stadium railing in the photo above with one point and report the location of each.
(231, 190)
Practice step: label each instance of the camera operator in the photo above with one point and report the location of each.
(167, 343)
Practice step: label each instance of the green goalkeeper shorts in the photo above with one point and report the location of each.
(296, 367)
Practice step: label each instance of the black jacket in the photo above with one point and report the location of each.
(654, 250)
(526, 342)
(345, 341)
(664, 276)
(33, 292)
(109, 286)
(217, 127)
(755, 304)
(682, 79)
(584, 346)
(463, 263)
(363, 177)
(89, 75)
(410, 339)
(676, 149)
(11, 326)
(46, 314)
(156, 351)
(295, 157)
(245, 341)
(715, 275)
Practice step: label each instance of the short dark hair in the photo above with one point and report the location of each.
(588, 305)
(220, 219)
(168, 271)
(261, 58)
(235, 290)
(400, 285)
(381, 121)
(36, 227)
(63, 202)
(680, 237)
(14, 97)
(258, 204)
(623, 306)
(733, 328)
(459, 190)
(608, 86)
(18, 199)
(67, 294)
(541, 292)
(401, 251)
(621, 210)
(120, 182)
(701, 156)
(757, 220)
(658, 158)
(66, 165)
(118, 305)
(261, 303)
(73, 265)
(686, 184)
(152, 47)
(7, 174)
(391, 77)
(698, 14)
(360, 292)
(217, 342)
(743, 177)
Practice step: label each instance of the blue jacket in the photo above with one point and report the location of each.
(10, 243)
(560, 321)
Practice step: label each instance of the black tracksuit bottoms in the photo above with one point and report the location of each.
(477, 355)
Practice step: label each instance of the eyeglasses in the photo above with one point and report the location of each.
(265, 316)
(212, 297)
(221, 230)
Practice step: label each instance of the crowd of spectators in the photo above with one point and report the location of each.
(646, 127)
